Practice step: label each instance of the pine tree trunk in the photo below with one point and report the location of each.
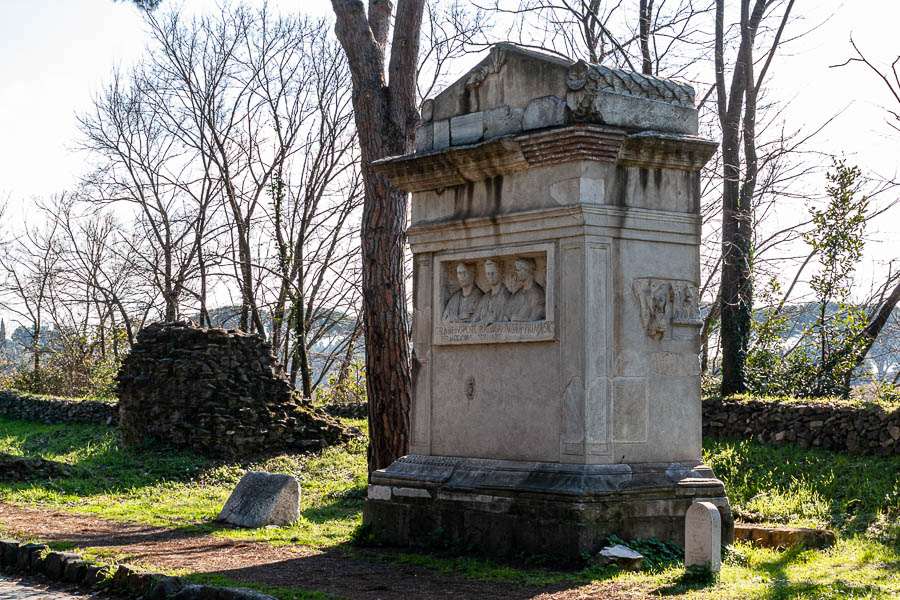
(386, 118)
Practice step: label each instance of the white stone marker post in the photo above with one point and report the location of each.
(703, 536)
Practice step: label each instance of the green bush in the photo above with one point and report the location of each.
(74, 366)
(349, 390)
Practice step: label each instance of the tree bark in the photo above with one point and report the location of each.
(386, 117)
(737, 220)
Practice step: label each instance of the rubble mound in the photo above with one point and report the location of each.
(216, 391)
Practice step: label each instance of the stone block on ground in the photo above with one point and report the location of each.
(6, 543)
(703, 536)
(55, 563)
(241, 593)
(120, 578)
(623, 557)
(784, 537)
(261, 499)
(166, 588)
(95, 574)
(25, 553)
(11, 552)
(141, 583)
(75, 571)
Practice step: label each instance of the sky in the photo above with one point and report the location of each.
(56, 54)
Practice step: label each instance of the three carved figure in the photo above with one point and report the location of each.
(471, 304)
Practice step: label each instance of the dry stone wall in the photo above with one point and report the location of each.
(219, 392)
(809, 425)
(23, 406)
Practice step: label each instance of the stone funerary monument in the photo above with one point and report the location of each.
(555, 234)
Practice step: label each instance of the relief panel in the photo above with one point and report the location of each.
(667, 307)
(495, 296)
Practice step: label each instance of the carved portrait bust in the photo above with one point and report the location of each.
(528, 302)
(493, 304)
(462, 306)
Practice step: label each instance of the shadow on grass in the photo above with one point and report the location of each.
(100, 464)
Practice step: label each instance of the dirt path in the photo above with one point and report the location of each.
(363, 575)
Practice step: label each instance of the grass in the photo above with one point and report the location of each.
(808, 488)
(861, 397)
(173, 488)
(858, 496)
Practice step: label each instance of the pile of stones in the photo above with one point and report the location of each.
(808, 425)
(68, 567)
(57, 410)
(17, 468)
(216, 391)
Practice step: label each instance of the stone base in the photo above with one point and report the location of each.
(534, 507)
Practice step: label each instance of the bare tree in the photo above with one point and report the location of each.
(30, 266)
(737, 106)
(648, 36)
(143, 167)
(315, 200)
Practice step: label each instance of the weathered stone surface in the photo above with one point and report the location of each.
(820, 424)
(16, 468)
(205, 592)
(467, 129)
(166, 588)
(75, 570)
(218, 392)
(502, 121)
(556, 326)
(26, 553)
(703, 536)
(141, 583)
(427, 110)
(24, 406)
(240, 593)
(623, 557)
(424, 137)
(120, 577)
(9, 551)
(55, 563)
(95, 574)
(441, 139)
(784, 537)
(262, 499)
(549, 111)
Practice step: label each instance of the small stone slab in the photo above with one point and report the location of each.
(502, 121)
(75, 570)
(548, 111)
(262, 499)
(703, 536)
(623, 557)
(467, 129)
(784, 537)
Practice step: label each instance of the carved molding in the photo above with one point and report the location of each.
(654, 150)
(665, 303)
(504, 156)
